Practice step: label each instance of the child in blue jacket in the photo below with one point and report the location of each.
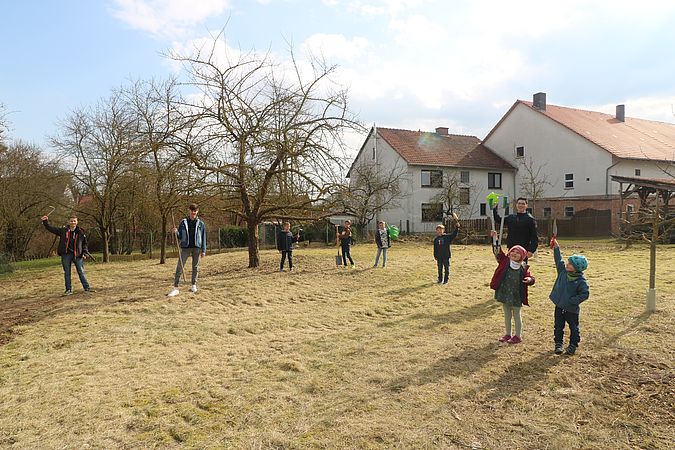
(569, 290)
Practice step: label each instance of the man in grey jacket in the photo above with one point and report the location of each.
(191, 234)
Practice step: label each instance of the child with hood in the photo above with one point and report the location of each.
(569, 290)
(510, 282)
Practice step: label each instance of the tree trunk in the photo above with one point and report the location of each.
(162, 252)
(253, 241)
(106, 243)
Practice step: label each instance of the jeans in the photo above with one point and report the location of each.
(443, 264)
(184, 253)
(383, 252)
(509, 313)
(283, 259)
(66, 261)
(562, 317)
(346, 254)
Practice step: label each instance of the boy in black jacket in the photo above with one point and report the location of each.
(442, 251)
(72, 249)
(285, 240)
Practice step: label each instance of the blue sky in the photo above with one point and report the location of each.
(414, 64)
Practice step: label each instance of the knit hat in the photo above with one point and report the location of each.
(519, 249)
(579, 262)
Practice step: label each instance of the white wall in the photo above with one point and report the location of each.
(554, 146)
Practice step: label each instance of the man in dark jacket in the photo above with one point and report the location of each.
(72, 249)
(522, 227)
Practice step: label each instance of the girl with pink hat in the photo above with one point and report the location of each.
(510, 282)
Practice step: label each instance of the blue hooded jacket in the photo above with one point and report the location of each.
(567, 294)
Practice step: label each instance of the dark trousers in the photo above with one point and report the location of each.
(285, 253)
(66, 261)
(346, 254)
(443, 264)
(562, 317)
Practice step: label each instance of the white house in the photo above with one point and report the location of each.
(578, 151)
(429, 161)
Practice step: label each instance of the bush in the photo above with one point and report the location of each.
(6, 263)
(233, 237)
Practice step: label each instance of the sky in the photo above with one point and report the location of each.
(411, 64)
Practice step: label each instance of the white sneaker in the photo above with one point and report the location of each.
(194, 288)
(173, 292)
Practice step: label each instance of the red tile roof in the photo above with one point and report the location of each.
(433, 149)
(632, 139)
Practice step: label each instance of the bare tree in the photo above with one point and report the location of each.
(456, 196)
(4, 124)
(534, 181)
(97, 144)
(28, 184)
(371, 191)
(156, 105)
(270, 134)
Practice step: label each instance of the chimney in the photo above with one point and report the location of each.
(443, 131)
(539, 101)
(621, 113)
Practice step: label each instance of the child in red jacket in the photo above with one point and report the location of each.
(510, 282)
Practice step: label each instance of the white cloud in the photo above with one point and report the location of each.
(335, 46)
(661, 109)
(377, 7)
(167, 17)
(416, 30)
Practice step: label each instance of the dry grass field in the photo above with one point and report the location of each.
(335, 358)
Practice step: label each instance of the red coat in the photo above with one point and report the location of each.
(500, 272)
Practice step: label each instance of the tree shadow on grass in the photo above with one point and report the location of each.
(613, 339)
(455, 316)
(468, 314)
(521, 376)
(527, 375)
(465, 363)
(406, 291)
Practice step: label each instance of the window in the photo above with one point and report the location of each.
(464, 176)
(432, 212)
(520, 152)
(528, 210)
(432, 178)
(373, 152)
(637, 172)
(483, 209)
(569, 181)
(629, 209)
(547, 213)
(494, 180)
(464, 196)
(569, 211)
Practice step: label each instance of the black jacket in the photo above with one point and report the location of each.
(442, 244)
(64, 236)
(522, 230)
(285, 241)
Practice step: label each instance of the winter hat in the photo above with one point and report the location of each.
(519, 249)
(579, 262)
